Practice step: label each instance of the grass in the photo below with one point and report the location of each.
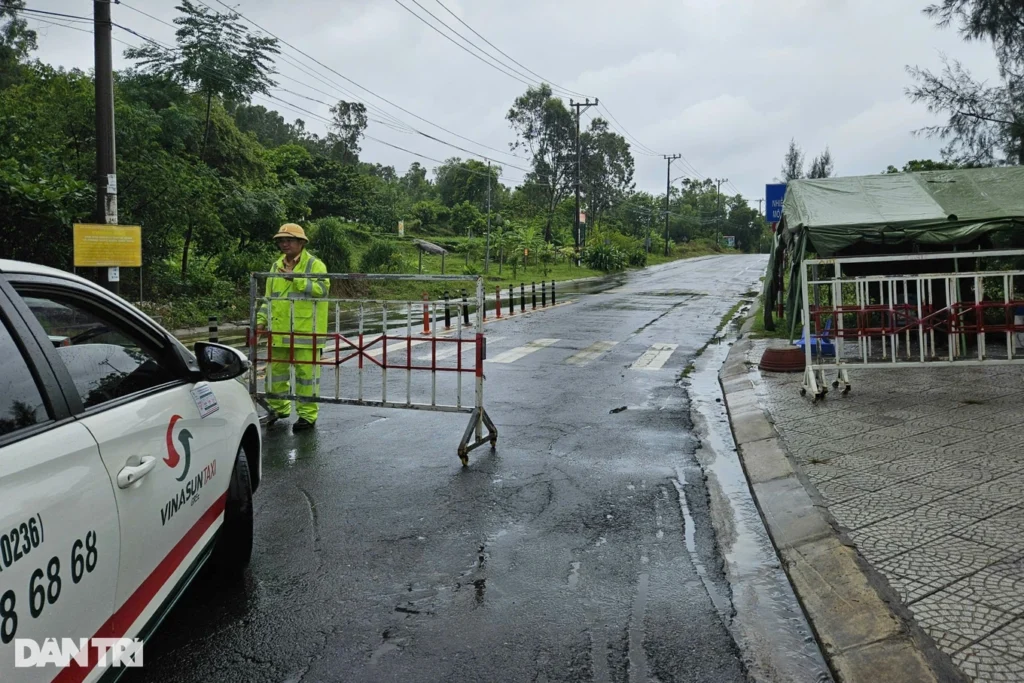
(729, 316)
(455, 264)
(188, 312)
(758, 330)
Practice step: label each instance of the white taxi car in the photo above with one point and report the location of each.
(126, 462)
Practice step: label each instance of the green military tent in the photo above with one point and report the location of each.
(892, 213)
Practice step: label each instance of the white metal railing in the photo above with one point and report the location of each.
(368, 341)
(909, 319)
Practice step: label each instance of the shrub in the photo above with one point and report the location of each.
(327, 239)
(638, 258)
(605, 257)
(382, 257)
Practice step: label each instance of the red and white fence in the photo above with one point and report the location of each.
(957, 317)
(367, 356)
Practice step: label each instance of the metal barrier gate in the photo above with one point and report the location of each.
(909, 320)
(375, 336)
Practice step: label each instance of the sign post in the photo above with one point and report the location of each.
(110, 247)
(774, 195)
(106, 246)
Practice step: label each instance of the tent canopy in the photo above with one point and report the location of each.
(859, 214)
(928, 207)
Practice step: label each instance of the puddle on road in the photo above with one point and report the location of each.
(765, 620)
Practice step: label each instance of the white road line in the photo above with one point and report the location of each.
(590, 353)
(449, 349)
(512, 355)
(655, 357)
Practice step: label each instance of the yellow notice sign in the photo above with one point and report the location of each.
(108, 245)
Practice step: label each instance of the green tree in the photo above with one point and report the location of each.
(606, 168)
(467, 220)
(216, 56)
(985, 123)
(348, 123)
(415, 185)
(17, 40)
(269, 127)
(793, 163)
(921, 165)
(461, 181)
(822, 165)
(545, 128)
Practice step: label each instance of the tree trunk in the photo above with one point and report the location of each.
(206, 132)
(184, 253)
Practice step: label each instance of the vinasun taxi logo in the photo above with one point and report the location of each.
(189, 493)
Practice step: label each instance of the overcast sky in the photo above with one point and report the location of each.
(725, 83)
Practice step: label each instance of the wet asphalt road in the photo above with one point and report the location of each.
(560, 556)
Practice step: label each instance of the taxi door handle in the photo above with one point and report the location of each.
(139, 468)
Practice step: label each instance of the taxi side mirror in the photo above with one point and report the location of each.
(218, 362)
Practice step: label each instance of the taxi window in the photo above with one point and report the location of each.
(21, 404)
(106, 360)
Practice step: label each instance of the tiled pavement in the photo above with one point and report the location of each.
(925, 470)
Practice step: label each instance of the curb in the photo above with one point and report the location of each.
(864, 631)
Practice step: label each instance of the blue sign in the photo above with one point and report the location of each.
(774, 195)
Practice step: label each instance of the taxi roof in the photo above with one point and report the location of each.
(26, 268)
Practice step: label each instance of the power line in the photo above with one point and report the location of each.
(342, 76)
(380, 97)
(59, 25)
(328, 121)
(146, 14)
(51, 14)
(493, 63)
(544, 80)
(642, 148)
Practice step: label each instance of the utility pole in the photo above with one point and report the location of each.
(487, 254)
(106, 162)
(580, 107)
(668, 189)
(718, 212)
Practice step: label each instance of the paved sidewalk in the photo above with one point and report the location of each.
(924, 469)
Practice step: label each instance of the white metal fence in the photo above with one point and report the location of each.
(915, 319)
(379, 353)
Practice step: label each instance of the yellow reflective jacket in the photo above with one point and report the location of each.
(283, 295)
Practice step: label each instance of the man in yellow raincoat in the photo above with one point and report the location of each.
(293, 316)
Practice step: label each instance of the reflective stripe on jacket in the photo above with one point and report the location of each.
(293, 300)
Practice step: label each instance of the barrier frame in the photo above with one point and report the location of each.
(364, 350)
(916, 318)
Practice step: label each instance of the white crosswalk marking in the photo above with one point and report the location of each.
(449, 349)
(590, 353)
(655, 357)
(398, 347)
(512, 355)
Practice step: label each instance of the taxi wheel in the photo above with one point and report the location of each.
(234, 544)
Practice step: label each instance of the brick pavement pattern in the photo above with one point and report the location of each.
(924, 468)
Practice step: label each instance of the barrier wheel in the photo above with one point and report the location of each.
(803, 391)
(846, 390)
(465, 460)
(835, 384)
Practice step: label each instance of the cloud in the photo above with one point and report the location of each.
(726, 83)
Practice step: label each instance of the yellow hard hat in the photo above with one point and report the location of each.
(292, 230)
